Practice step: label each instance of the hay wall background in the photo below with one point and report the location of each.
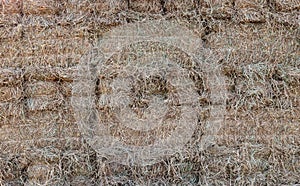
(257, 43)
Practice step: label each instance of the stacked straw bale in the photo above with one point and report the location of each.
(256, 42)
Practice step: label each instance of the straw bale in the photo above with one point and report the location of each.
(39, 173)
(50, 74)
(63, 143)
(40, 88)
(40, 74)
(288, 18)
(220, 9)
(146, 6)
(250, 16)
(67, 60)
(57, 27)
(96, 6)
(271, 122)
(68, 26)
(43, 40)
(11, 7)
(10, 113)
(50, 52)
(10, 94)
(41, 7)
(67, 74)
(78, 164)
(35, 32)
(45, 155)
(248, 4)
(9, 133)
(19, 147)
(81, 180)
(40, 127)
(10, 28)
(57, 117)
(10, 77)
(185, 6)
(47, 47)
(9, 34)
(10, 20)
(40, 103)
(8, 50)
(39, 21)
(39, 131)
(264, 86)
(11, 167)
(12, 50)
(286, 5)
(251, 11)
(246, 44)
(60, 122)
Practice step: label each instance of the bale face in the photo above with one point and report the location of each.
(251, 11)
(181, 6)
(217, 8)
(284, 5)
(153, 6)
(41, 7)
(11, 7)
